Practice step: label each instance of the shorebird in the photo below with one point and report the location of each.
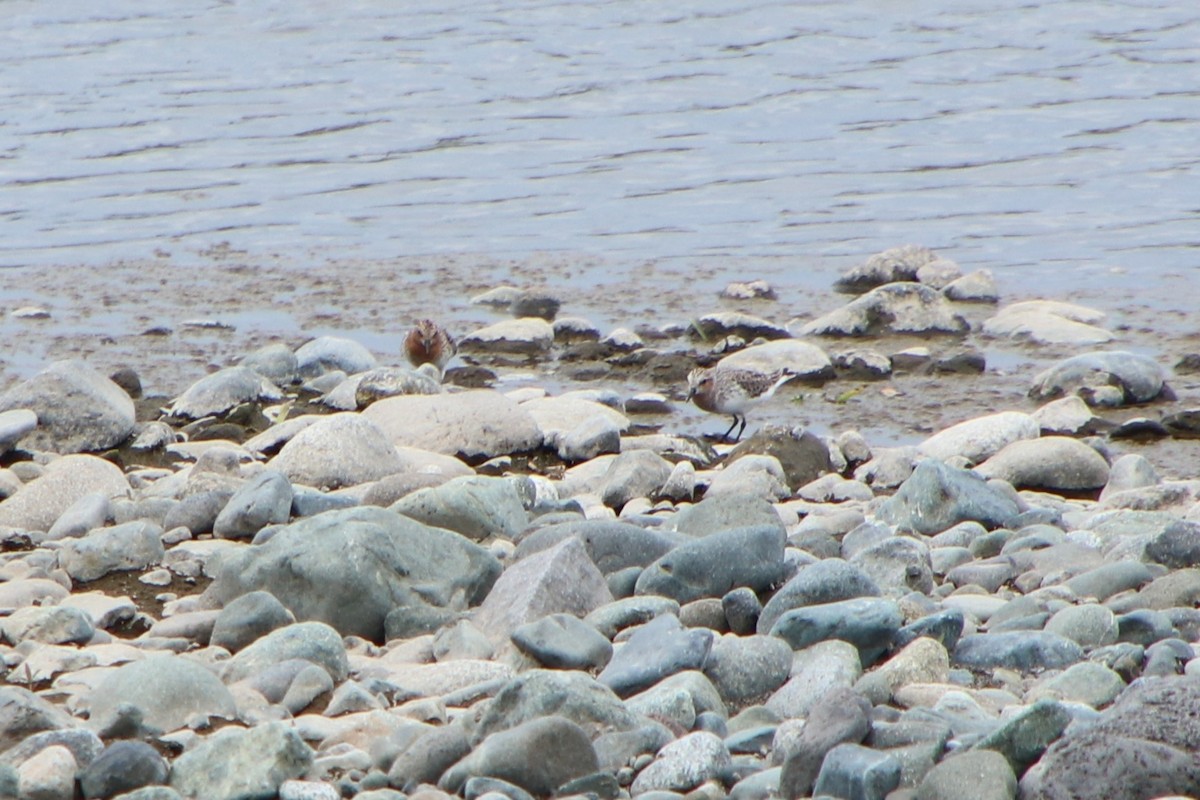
(730, 390)
(428, 343)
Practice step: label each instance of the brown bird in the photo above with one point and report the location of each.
(428, 343)
(730, 390)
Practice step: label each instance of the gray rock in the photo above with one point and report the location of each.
(807, 361)
(979, 774)
(1048, 322)
(266, 499)
(684, 764)
(493, 789)
(311, 641)
(88, 512)
(944, 626)
(1136, 378)
(167, 692)
(897, 565)
(857, 773)
(660, 648)
(590, 438)
(47, 775)
(395, 563)
(522, 336)
(827, 581)
(1145, 627)
(221, 391)
(629, 611)
(936, 497)
(1176, 546)
(612, 545)
(339, 450)
(867, 623)
(474, 505)
(720, 324)
(742, 610)
(235, 763)
(711, 566)
(539, 693)
(40, 502)
(48, 625)
(1178, 589)
(1089, 625)
(901, 263)
(123, 767)
(1020, 650)
(586, 419)
(633, 474)
(474, 425)
(746, 669)
(1130, 471)
(84, 745)
(561, 579)
(376, 384)
(1087, 682)
(15, 423)
(248, 618)
(330, 353)
(77, 408)
(750, 474)
(428, 757)
(197, 512)
(979, 439)
(1023, 737)
(893, 308)
(840, 717)
(1141, 747)
(275, 362)
(816, 671)
(22, 714)
(1106, 580)
(152, 793)
(134, 545)
(974, 287)
(715, 514)
(563, 641)
(801, 455)
(1067, 416)
(1055, 463)
(539, 756)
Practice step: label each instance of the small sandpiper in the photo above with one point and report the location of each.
(428, 343)
(730, 390)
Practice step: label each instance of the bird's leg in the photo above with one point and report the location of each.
(725, 436)
(741, 430)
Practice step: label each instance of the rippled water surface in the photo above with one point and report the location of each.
(1058, 138)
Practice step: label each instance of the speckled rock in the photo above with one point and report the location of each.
(474, 425)
(235, 763)
(339, 450)
(40, 502)
(77, 409)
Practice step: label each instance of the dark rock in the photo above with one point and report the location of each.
(395, 563)
(1019, 650)
(659, 648)
(712, 566)
(123, 767)
(539, 756)
(563, 641)
(841, 716)
(936, 497)
(869, 624)
(827, 581)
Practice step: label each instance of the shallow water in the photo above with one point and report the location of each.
(1054, 141)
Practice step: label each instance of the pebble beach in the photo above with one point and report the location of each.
(956, 555)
